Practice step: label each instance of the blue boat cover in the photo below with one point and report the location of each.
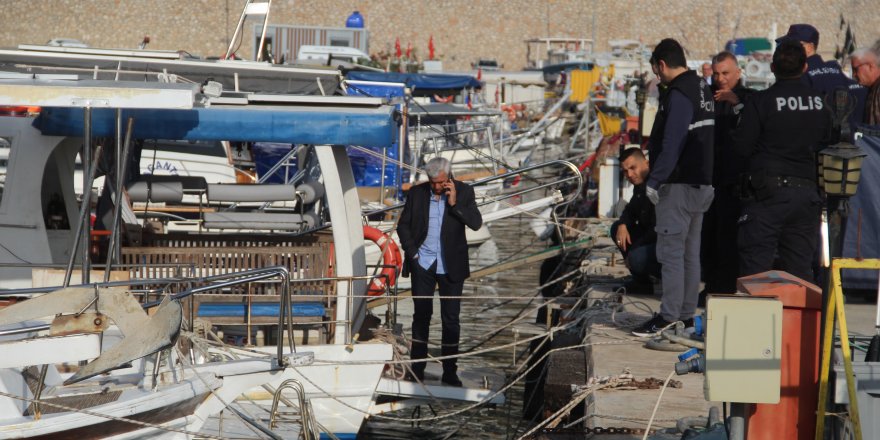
(262, 310)
(292, 125)
(865, 203)
(389, 91)
(419, 81)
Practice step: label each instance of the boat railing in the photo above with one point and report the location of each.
(220, 286)
(576, 176)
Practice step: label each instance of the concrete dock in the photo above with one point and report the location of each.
(615, 351)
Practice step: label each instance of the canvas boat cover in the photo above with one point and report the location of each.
(419, 81)
(286, 124)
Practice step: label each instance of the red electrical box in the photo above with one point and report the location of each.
(794, 417)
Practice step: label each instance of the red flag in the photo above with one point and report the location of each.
(431, 48)
(397, 48)
(479, 74)
(408, 49)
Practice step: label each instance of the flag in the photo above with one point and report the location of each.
(431, 48)
(397, 48)
(479, 74)
(408, 50)
(849, 41)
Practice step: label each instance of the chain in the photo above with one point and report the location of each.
(599, 430)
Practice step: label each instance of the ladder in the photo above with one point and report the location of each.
(834, 309)
(304, 417)
(251, 8)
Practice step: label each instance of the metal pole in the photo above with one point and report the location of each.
(86, 192)
(492, 149)
(401, 143)
(120, 163)
(235, 35)
(382, 175)
(737, 421)
(263, 35)
(117, 205)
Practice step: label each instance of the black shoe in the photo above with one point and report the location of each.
(651, 327)
(688, 323)
(414, 377)
(451, 380)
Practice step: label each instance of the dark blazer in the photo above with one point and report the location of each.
(413, 228)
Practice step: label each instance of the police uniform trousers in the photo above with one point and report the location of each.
(784, 227)
(423, 283)
(719, 258)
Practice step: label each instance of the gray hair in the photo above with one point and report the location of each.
(436, 166)
(872, 53)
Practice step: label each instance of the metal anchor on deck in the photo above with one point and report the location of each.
(144, 334)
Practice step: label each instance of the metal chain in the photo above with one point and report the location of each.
(598, 430)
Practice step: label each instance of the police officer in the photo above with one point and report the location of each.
(826, 76)
(780, 131)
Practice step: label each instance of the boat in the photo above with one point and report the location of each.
(341, 383)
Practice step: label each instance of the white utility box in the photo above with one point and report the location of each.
(743, 349)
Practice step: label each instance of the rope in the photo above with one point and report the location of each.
(107, 416)
(657, 405)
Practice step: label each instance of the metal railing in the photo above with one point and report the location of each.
(222, 281)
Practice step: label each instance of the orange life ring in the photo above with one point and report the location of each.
(390, 258)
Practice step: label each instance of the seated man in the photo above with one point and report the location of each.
(634, 232)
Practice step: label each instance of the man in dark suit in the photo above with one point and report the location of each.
(432, 234)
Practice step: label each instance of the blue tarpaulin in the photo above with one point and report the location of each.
(865, 204)
(293, 125)
(419, 81)
(267, 155)
(390, 91)
(367, 168)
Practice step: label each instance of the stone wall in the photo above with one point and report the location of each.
(463, 30)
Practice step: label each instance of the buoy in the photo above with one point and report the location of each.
(390, 259)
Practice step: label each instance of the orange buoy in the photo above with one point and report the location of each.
(390, 259)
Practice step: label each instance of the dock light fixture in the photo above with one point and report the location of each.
(840, 165)
(841, 168)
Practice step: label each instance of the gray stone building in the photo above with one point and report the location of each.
(463, 30)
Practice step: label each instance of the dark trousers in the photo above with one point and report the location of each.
(641, 259)
(423, 283)
(784, 225)
(719, 256)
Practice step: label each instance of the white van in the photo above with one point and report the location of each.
(311, 54)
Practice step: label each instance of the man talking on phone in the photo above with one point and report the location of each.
(432, 234)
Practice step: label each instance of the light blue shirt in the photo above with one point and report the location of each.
(431, 251)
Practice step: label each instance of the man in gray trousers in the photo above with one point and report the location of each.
(680, 182)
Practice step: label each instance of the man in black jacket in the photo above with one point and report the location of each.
(634, 231)
(432, 234)
(826, 76)
(680, 182)
(718, 256)
(781, 130)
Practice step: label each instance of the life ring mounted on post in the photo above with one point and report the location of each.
(391, 260)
